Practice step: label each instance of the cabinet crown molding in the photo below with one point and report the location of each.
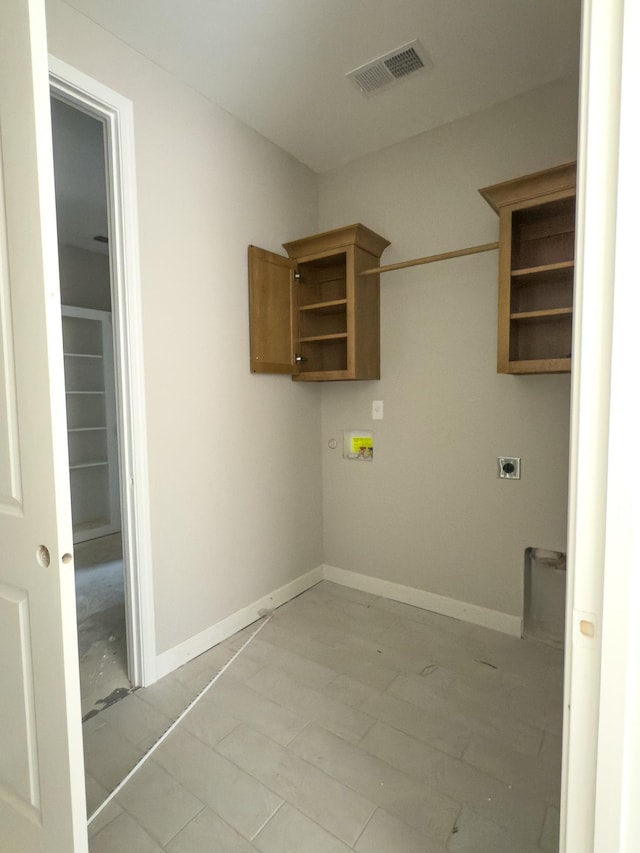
(529, 187)
(349, 235)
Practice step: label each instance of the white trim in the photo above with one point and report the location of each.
(498, 621)
(189, 649)
(184, 652)
(590, 420)
(618, 758)
(116, 113)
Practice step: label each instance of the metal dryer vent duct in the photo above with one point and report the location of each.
(396, 65)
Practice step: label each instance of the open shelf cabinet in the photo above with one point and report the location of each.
(311, 314)
(536, 267)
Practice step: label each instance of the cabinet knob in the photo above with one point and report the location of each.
(300, 358)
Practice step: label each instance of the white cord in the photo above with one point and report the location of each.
(162, 737)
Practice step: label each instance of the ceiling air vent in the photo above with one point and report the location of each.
(393, 66)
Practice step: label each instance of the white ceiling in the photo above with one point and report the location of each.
(280, 65)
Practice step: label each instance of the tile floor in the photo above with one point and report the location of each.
(102, 635)
(349, 723)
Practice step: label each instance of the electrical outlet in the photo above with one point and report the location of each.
(509, 467)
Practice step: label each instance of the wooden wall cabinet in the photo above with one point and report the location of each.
(535, 277)
(312, 314)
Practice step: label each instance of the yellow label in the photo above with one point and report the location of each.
(362, 446)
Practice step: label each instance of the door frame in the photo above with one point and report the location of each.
(601, 738)
(115, 113)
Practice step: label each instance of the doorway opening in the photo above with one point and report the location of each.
(104, 378)
(92, 422)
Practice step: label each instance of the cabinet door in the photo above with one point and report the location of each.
(272, 313)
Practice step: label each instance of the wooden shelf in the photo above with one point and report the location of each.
(315, 339)
(543, 365)
(549, 314)
(331, 279)
(542, 271)
(536, 269)
(335, 306)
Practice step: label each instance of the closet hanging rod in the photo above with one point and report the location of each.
(429, 259)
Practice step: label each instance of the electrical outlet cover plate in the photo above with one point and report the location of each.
(509, 467)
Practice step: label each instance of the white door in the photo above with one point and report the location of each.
(41, 772)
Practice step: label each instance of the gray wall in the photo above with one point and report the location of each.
(429, 512)
(234, 459)
(84, 278)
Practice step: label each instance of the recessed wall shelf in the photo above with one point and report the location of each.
(91, 422)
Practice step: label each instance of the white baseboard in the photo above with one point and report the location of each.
(473, 613)
(184, 652)
(189, 649)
